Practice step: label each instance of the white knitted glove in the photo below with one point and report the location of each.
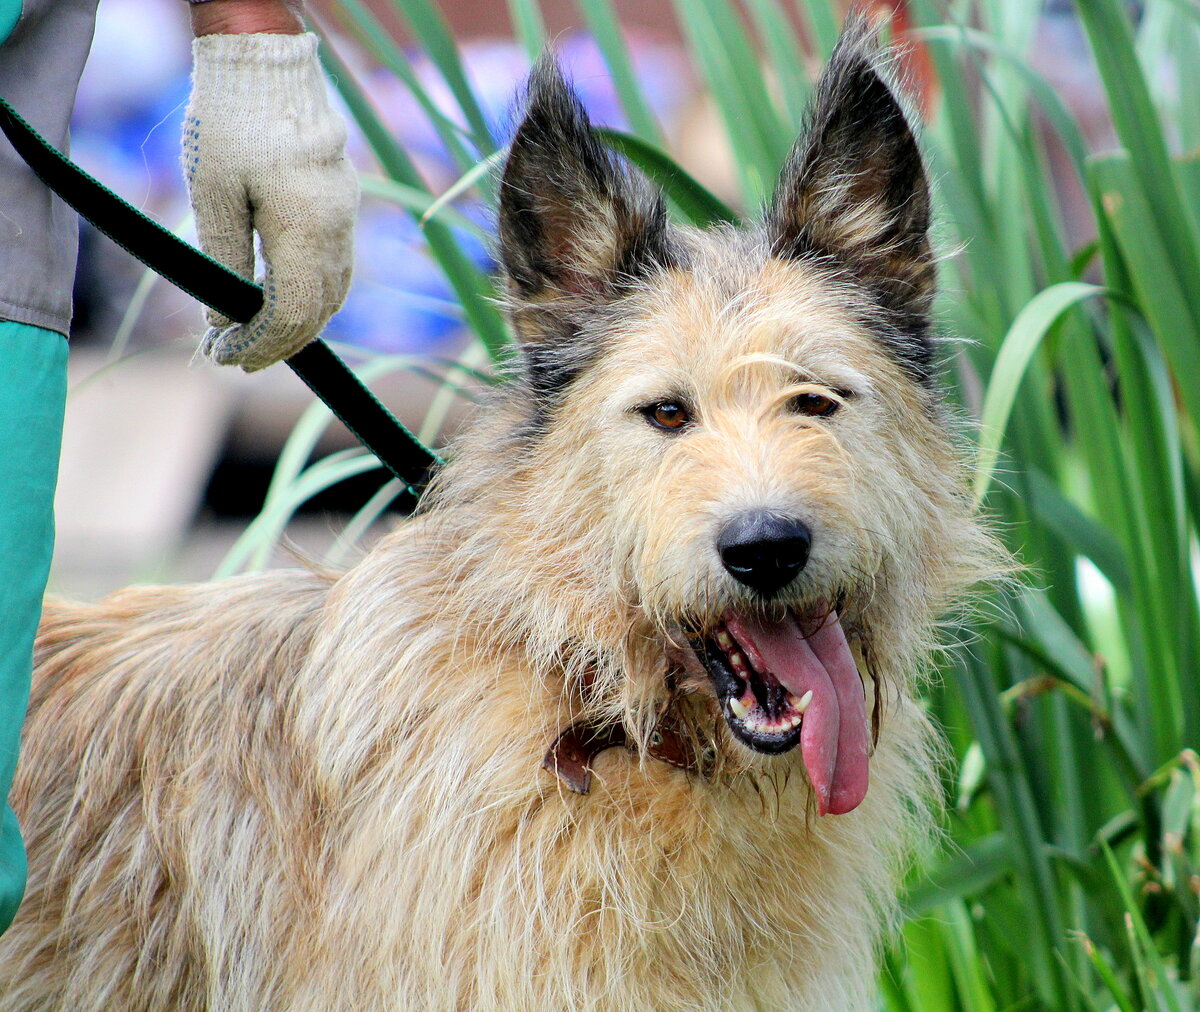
(264, 151)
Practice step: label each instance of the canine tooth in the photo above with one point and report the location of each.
(801, 704)
(738, 709)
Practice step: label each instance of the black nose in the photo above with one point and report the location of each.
(763, 550)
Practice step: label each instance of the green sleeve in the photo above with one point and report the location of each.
(10, 14)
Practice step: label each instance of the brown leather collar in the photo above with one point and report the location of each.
(573, 751)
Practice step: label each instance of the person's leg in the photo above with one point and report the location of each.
(33, 388)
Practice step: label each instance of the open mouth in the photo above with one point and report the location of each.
(794, 681)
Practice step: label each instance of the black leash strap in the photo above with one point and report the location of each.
(215, 285)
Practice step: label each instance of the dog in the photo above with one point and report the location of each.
(624, 717)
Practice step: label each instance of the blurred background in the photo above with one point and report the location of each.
(165, 462)
(1064, 142)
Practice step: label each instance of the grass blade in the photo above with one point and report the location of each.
(432, 33)
(470, 178)
(370, 33)
(787, 61)
(696, 203)
(420, 203)
(1017, 350)
(602, 23)
(529, 26)
(473, 289)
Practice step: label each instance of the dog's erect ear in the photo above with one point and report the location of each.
(854, 189)
(575, 226)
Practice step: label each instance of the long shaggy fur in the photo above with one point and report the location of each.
(323, 792)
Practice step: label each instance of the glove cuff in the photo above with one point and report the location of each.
(259, 70)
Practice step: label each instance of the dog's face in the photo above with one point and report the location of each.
(749, 413)
(756, 446)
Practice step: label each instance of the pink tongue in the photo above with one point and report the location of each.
(834, 736)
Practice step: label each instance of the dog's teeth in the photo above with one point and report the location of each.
(738, 661)
(801, 704)
(738, 709)
(724, 639)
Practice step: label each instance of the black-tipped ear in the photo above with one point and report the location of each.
(854, 189)
(575, 226)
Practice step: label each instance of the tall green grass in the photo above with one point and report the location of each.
(1070, 879)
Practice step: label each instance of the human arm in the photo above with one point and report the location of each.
(237, 17)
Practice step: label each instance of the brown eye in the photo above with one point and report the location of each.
(814, 405)
(669, 415)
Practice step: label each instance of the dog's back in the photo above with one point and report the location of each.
(141, 706)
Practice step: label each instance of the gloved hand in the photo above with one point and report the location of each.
(264, 151)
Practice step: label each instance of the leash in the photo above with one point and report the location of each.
(210, 282)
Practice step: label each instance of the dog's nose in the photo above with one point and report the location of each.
(764, 550)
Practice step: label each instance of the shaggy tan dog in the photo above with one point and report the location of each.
(623, 719)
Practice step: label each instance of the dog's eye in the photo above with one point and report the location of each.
(669, 415)
(814, 405)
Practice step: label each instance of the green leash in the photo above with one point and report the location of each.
(216, 286)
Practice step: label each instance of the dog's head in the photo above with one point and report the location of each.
(735, 432)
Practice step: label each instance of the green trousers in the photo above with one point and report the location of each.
(33, 390)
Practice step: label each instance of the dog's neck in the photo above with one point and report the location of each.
(572, 753)
(671, 741)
